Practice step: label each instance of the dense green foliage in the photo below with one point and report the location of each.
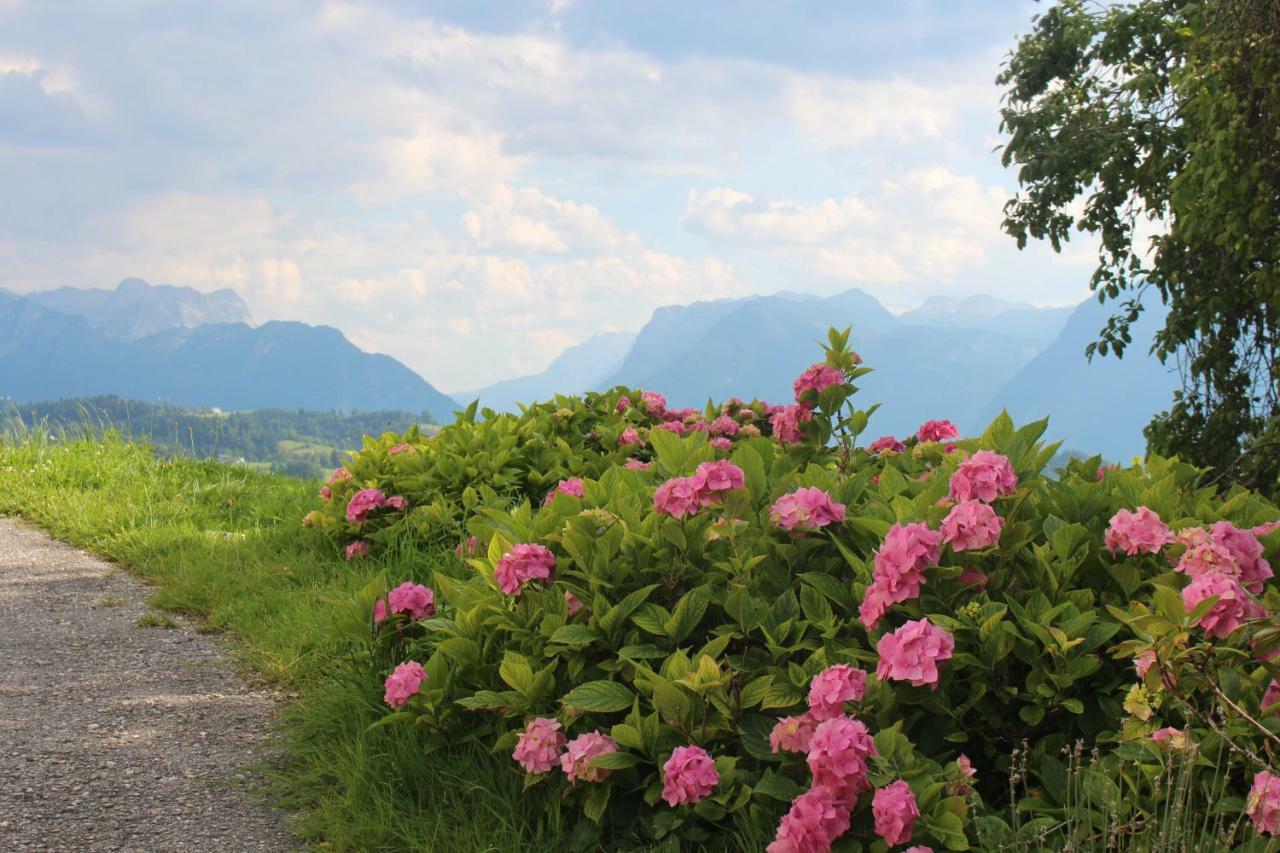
(1164, 115)
(295, 442)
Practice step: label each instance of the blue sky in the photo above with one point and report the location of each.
(471, 187)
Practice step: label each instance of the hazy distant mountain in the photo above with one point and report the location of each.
(579, 368)
(1097, 406)
(136, 309)
(989, 312)
(47, 354)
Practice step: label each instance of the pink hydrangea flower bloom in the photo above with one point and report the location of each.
(907, 550)
(688, 776)
(875, 604)
(724, 425)
(522, 564)
(572, 604)
(937, 431)
(629, 436)
(624, 403)
(816, 378)
(886, 444)
(786, 423)
(403, 683)
(540, 744)
(918, 848)
(581, 751)
(340, 475)
(1140, 532)
(571, 487)
(679, 497)
(895, 810)
(325, 493)
(654, 403)
(792, 734)
(1246, 552)
(1270, 697)
(398, 502)
(1174, 738)
(1143, 662)
(984, 476)
(721, 443)
(469, 548)
(380, 610)
(971, 525)
(1263, 805)
(831, 688)
(397, 449)
(912, 653)
(413, 600)
(815, 820)
(676, 427)
(806, 508)
(838, 755)
(364, 502)
(637, 465)
(356, 550)
(960, 787)
(715, 478)
(1233, 607)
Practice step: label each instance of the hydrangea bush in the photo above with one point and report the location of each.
(761, 634)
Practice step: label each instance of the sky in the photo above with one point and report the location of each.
(472, 187)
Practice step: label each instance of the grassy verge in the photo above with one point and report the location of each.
(223, 545)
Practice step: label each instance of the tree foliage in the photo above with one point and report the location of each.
(1163, 117)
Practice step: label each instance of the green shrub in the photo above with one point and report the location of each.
(1002, 642)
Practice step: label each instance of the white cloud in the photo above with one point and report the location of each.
(526, 219)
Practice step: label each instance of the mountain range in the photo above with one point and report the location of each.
(180, 346)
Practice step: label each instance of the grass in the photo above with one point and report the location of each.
(224, 547)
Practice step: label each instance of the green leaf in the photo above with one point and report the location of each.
(778, 787)
(687, 615)
(597, 799)
(755, 691)
(516, 672)
(600, 696)
(573, 635)
(616, 760)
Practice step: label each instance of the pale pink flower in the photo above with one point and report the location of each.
(1246, 551)
(807, 509)
(356, 550)
(1233, 607)
(750, 431)
(724, 425)
(961, 785)
(907, 550)
(839, 752)
(581, 751)
(325, 493)
(398, 502)
(522, 564)
(630, 435)
(340, 475)
(1143, 662)
(637, 465)
(1140, 532)
(364, 502)
(1270, 697)
(715, 478)
(918, 848)
(721, 443)
(886, 444)
(624, 403)
(469, 548)
(403, 683)
(875, 604)
(786, 423)
(679, 497)
(1266, 529)
(688, 776)
(1174, 738)
(984, 476)
(654, 403)
(413, 600)
(396, 450)
(1263, 805)
(971, 525)
(792, 734)
(912, 653)
(540, 744)
(834, 686)
(676, 427)
(815, 820)
(937, 431)
(571, 487)
(815, 379)
(380, 610)
(895, 810)
(572, 604)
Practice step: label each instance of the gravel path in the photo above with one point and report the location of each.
(114, 736)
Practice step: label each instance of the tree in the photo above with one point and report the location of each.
(1164, 115)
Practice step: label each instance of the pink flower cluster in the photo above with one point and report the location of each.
(630, 436)
(581, 751)
(688, 776)
(571, 487)
(681, 497)
(409, 599)
(816, 819)
(984, 476)
(971, 525)
(339, 475)
(1140, 532)
(637, 465)
(364, 502)
(396, 450)
(806, 508)
(786, 423)
(1228, 549)
(839, 752)
(834, 686)
(325, 493)
(398, 502)
(912, 653)
(403, 683)
(724, 426)
(522, 564)
(900, 562)
(654, 404)
(539, 746)
(571, 603)
(937, 431)
(1232, 609)
(792, 734)
(356, 550)
(815, 379)
(886, 444)
(1263, 805)
(895, 810)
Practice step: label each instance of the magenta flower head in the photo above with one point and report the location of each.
(688, 776)
(1140, 532)
(984, 476)
(839, 752)
(912, 653)
(396, 450)
(786, 423)
(364, 502)
(895, 810)
(816, 819)
(581, 751)
(815, 379)
(1232, 609)
(806, 509)
(630, 436)
(679, 497)
(571, 487)
(1263, 805)
(413, 600)
(1246, 553)
(724, 426)
(833, 687)
(713, 479)
(398, 502)
(403, 683)
(654, 404)
(971, 525)
(356, 550)
(521, 565)
(886, 444)
(637, 465)
(792, 734)
(937, 431)
(539, 746)
(339, 475)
